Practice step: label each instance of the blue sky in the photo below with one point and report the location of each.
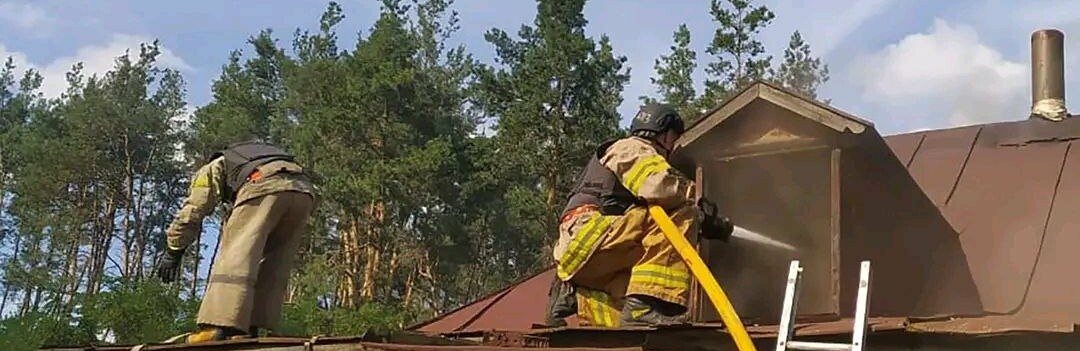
(905, 65)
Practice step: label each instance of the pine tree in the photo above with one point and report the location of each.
(553, 102)
(739, 57)
(674, 75)
(801, 71)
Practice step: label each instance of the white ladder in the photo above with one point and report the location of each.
(791, 303)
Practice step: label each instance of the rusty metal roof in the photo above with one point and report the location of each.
(514, 342)
(1011, 191)
(517, 307)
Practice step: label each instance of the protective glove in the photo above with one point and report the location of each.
(713, 225)
(167, 266)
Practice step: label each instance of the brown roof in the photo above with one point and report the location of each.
(1012, 192)
(517, 306)
(505, 342)
(1009, 191)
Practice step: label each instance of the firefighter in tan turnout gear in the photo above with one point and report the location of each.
(610, 253)
(271, 199)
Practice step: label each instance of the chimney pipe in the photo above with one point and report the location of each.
(1048, 75)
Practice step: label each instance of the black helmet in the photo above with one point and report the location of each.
(655, 119)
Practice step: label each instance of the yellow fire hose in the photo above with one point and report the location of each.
(708, 282)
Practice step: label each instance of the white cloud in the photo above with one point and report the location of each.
(823, 23)
(20, 60)
(96, 59)
(944, 73)
(23, 16)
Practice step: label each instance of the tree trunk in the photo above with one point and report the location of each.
(372, 250)
(141, 232)
(7, 286)
(37, 299)
(196, 258)
(101, 246)
(350, 255)
(24, 308)
(427, 270)
(390, 272)
(3, 188)
(409, 281)
(551, 191)
(213, 257)
(371, 256)
(127, 255)
(71, 279)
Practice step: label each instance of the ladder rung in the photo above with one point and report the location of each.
(817, 346)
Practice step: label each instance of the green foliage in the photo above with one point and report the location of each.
(36, 330)
(674, 76)
(739, 57)
(308, 317)
(137, 312)
(801, 71)
(553, 99)
(245, 100)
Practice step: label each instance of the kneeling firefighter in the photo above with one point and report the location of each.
(610, 253)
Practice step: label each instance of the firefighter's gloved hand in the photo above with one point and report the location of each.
(167, 266)
(717, 228)
(713, 225)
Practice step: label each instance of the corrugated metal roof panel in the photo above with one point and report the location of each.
(905, 145)
(293, 344)
(939, 160)
(1053, 286)
(458, 319)
(519, 309)
(1000, 209)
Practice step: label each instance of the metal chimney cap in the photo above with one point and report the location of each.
(1048, 75)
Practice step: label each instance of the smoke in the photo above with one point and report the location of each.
(749, 235)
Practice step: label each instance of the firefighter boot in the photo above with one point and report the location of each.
(561, 303)
(647, 310)
(208, 333)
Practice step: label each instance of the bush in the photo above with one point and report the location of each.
(306, 318)
(37, 330)
(140, 312)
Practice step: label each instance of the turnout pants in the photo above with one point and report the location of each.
(258, 244)
(610, 257)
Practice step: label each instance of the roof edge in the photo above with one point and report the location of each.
(510, 286)
(817, 111)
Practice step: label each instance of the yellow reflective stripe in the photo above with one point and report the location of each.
(642, 170)
(664, 276)
(202, 181)
(598, 309)
(582, 243)
(610, 313)
(601, 308)
(588, 306)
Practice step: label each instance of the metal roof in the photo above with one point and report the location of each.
(505, 342)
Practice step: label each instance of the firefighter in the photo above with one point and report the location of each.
(268, 200)
(617, 262)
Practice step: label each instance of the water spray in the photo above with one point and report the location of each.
(746, 234)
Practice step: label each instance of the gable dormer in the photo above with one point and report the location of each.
(810, 182)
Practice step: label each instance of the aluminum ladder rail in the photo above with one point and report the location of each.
(791, 303)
